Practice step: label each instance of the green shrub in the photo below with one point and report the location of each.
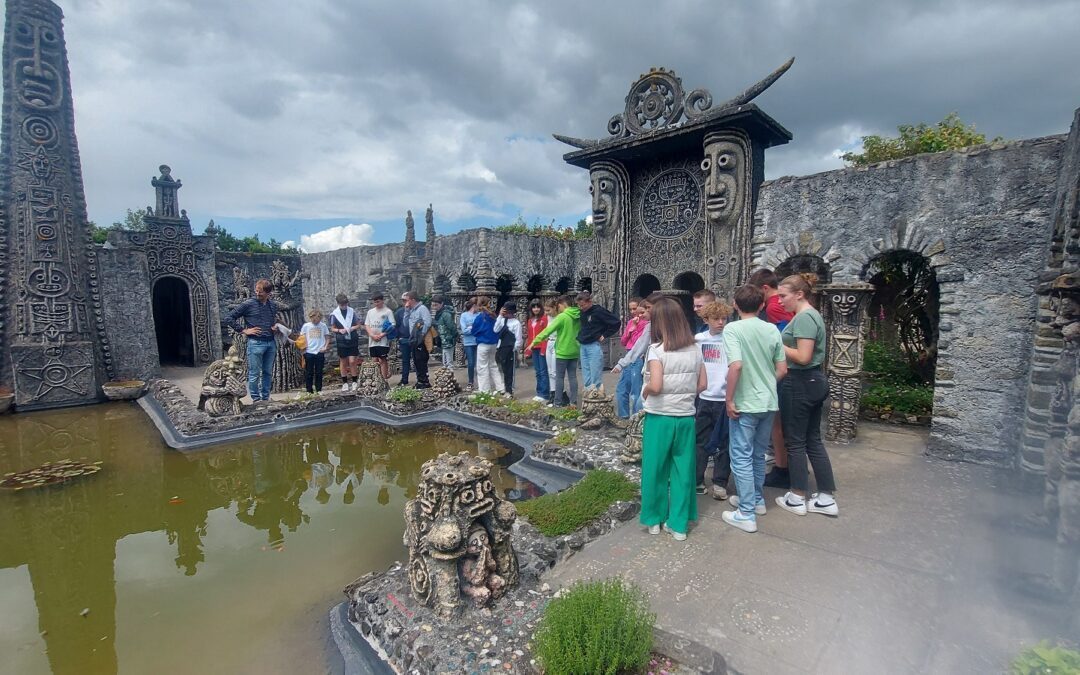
(523, 407)
(565, 437)
(566, 414)
(898, 398)
(490, 399)
(598, 627)
(886, 364)
(1044, 659)
(578, 505)
(405, 395)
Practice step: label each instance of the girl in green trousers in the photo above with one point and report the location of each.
(674, 375)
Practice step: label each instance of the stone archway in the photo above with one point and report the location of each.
(644, 286)
(562, 286)
(172, 321)
(686, 284)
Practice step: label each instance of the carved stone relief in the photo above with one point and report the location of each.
(52, 342)
(846, 326)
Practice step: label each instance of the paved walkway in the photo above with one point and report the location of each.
(922, 572)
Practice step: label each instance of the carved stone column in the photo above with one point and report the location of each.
(846, 324)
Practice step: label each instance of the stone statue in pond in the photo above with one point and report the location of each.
(458, 533)
(224, 384)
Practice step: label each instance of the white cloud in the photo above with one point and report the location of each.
(342, 236)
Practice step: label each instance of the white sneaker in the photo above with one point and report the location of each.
(654, 529)
(790, 505)
(737, 519)
(677, 536)
(758, 509)
(824, 509)
(539, 399)
(719, 492)
(345, 387)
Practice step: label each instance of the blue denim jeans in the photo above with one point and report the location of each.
(628, 391)
(470, 362)
(406, 359)
(543, 387)
(260, 357)
(592, 364)
(750, 435)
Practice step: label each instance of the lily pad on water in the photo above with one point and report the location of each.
(49, 473)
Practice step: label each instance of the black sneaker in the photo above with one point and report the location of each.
(778, 478)
(701, 489)
(422, 385)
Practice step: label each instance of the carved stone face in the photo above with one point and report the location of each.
(721, 167)
(36, 43)
(604, 190)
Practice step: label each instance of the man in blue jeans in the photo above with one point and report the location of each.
(755, 362)
(597, 324)
(259, 316)
(405, 346)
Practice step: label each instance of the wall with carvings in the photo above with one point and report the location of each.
(236, 274)
(519, 256)
(983, 218)
(125, 292)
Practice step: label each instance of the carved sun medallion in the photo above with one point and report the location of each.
(671, 203)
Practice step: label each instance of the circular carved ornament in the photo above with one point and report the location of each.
(671, 203)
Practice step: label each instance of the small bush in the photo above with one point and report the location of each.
(886, 364)
(1044, 659)
(565, 437)
(596, 627)
(906, 400)
(566, 414)
(578, 505)
(523, 407)
(405, 395)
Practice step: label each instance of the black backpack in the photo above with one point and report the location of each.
(506, 338)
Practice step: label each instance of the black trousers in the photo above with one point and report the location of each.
(802, 398)
(313, 371)
(420, 364)
(504, 357)
(711, 431)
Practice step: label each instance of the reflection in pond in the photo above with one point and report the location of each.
(226, 560)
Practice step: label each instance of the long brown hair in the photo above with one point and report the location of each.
(669, 326)
(483, 303)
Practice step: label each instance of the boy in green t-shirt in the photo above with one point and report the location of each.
(755, 362)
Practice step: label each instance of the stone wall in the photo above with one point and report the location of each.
(355, 271)
(236, 274)
(129, 323)
(982, 216)
(519, 256)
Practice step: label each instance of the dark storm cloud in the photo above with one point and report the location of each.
(343, 109)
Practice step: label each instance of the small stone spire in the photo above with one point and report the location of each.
(429, 236)
(410, 234)
(485, 276)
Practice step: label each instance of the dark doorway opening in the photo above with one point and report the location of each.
(172, 322)
(562, 286)
(644, 286)
(504, 285)
(689, 283)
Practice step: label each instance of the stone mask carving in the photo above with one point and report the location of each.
(604, 187)
(722, 166)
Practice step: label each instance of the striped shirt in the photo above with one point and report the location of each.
(256, 315)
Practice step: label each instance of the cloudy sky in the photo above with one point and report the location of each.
(322, 121)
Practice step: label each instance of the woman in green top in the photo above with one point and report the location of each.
(802, 397)
(567, 349)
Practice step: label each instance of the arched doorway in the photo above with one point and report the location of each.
(504, 285)
(562, 286)
(807, 264)
(688, 283)
(644, 286)
(901, 350)
(172, 322)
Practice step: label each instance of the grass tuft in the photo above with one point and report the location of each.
(578, 505)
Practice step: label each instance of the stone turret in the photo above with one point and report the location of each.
(429, 235)
(485, 276)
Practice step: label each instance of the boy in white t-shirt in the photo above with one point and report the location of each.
(317, 336)
(711, 416)
(378, 321)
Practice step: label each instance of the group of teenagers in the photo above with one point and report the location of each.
(727, 389)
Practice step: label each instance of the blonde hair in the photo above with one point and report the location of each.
(314, 316)
(716, 310)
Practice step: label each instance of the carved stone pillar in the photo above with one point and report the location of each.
(846, 324)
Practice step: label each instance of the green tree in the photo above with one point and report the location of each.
(132, 222)
(914, 139)
(225, 241)
(584, 229)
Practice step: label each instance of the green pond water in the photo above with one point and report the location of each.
(226, 560)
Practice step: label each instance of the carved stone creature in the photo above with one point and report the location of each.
(241, 284)
(631, 453)
(597, 408)
(224, 384)
(458, 533)
(443, 383)
(370, 382)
